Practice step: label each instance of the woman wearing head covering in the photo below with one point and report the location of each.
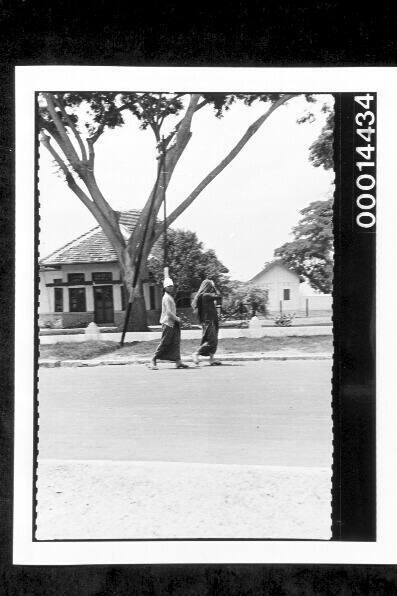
(169, 347)
(204, 304)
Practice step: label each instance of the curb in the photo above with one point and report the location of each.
(145, 360)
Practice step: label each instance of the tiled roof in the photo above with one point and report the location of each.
(93, 246)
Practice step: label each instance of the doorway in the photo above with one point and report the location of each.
(103, 305)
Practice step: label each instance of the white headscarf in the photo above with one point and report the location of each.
(168, 282)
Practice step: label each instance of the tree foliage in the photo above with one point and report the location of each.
(310, 254)
(244, 299)
(321, 151)
(189, 263)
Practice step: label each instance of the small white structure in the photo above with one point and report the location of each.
(282, 286)
(255, 327)
(287, 293)
(92, 332)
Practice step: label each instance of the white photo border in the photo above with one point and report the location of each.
(29, 80)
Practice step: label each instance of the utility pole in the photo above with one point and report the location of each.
(163, 164)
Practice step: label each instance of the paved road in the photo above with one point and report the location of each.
(272, 413)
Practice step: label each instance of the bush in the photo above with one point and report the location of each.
(244, 300)
(50, 323)
(284, 320)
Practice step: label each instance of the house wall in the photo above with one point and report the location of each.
(275, 280)
(66, 318)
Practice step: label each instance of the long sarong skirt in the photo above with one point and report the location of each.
(169, 347)
(209, 340)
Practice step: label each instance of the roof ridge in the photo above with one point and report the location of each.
(273, 263)
(68, 244)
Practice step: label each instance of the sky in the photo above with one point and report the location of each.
(244, 214)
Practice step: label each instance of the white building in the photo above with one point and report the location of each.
(81, 282)
(287, 293)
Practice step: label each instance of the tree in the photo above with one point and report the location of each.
(243, 298)
(189, 263)
(310, 254)
(70, 125)
(321, 151)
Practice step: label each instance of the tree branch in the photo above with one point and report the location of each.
(183, 136)
(46, 142)
(196, 109)
(156, 196)
(78, 138)
(93, 138)
(111, 233)
(201, 105)
(86, 173)
(104, 207)
(67, 147)
(91, 154)
(252, 129)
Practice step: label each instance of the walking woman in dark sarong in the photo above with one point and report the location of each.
(204, 304)
(169, 347)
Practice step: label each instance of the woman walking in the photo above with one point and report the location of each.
(204, 305)
(169, 347)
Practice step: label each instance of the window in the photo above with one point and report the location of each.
(152, 297)
(287, 294)
(102, 277)
(76, 278)
(58, 299)
(77, 300)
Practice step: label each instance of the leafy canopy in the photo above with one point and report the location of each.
(321, 151)
(189, 263)
(94, 112)
(243, 298)
(310, 254)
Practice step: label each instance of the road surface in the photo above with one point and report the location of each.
(266, 412)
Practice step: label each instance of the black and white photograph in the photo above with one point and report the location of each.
(191, 346)
(185, 314)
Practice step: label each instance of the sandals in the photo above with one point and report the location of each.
(215, 363)
(195, 359)
(155, 367)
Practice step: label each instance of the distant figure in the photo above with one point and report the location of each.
(169, 347)
(204, 304)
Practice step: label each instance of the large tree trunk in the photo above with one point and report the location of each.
(138, 318)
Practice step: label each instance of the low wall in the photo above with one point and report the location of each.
(196, 334)
(69, 320)
(316, 303)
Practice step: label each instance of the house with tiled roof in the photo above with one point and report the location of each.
(81, 282)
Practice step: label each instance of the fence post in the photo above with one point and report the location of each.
(281, 307)
(307, 307)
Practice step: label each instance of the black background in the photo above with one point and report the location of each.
(354, 480)
(237, 34)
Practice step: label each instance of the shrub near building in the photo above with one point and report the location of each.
(244, 300)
